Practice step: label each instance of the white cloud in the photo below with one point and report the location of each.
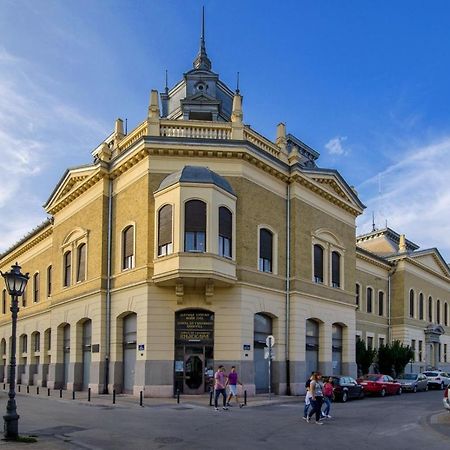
(335, 146)
(413, 195)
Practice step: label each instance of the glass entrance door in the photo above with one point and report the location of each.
(194, 368)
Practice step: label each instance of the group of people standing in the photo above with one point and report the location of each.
(221, 382)
(317, 394)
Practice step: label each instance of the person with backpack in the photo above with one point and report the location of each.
(328, 393)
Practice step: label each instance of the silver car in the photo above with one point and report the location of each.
(437, 379)
(413, 382)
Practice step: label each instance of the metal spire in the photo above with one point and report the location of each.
(202, 61)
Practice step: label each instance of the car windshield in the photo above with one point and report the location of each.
(408, 376)
(371, 377)
(431, 374)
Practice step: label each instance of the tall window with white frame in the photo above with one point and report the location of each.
(335, 269)
(380, 303)
(36, 287)
(67, 266)
(411, 303)
(225, 231)
(369, 299)
(81, 262)
(421, 306)
(165, 244)
(318, 263)
(265, 250)
(430, 309)
(195, 226)
(128, 248)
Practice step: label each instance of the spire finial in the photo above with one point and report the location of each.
(237, 83)
(202, 61)
(167, 83)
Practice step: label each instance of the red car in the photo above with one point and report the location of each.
(380, 384)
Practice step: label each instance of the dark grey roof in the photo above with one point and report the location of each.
(196, 174)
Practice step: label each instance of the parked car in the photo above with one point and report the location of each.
(446, 400)
(345, 388)
(437, 379)
(413, 382)
(380, 384)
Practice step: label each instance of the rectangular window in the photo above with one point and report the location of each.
(37, 342)
(67, 268)
(36, 287)
(49, 342)
(413, 348)
(195, 241)
(380, 342)
(224, 246)
(265, 250)
(24, 343)
(380, 303)
(420, 351)
(81, 263)
(370, 342)
(369, 300)
(49, 281)
(24, 297)
(4, 301)
(358, 287)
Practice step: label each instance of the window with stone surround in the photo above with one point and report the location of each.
(165, 240)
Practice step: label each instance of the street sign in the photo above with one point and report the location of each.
(266, 353)
(270, 341)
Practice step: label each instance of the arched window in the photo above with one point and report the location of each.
(446, 314)
(265, 250)
(4, 301)
(318, 263)
(37, 342)
(411, 303)
(128, 248)
(195, 226)
(225, 231)
(438, 311)
(369, 299)
(380, 303)
(36, 287)
(421, 306)
(358, 294)
(335, 269)
(49, 281)
(67, 268)
(24, 343)
(165, 244)
(81, 262)
(430, 309)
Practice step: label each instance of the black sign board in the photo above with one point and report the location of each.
(194, 326)
(247, 347)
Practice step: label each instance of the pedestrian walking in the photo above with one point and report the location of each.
(307, 396)
(316, 388)
(220, 380)
(232, 383)
(328, 393)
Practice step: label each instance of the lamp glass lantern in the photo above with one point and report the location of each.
(15, 281)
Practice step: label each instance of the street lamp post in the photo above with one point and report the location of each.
(15, 284)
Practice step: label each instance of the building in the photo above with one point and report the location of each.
(188, 241)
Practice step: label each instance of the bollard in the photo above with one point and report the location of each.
(114, 397)
(140, 399)
(245, 397)
(37, 390)
(178, 396)
(48, 392)
(73, 395)
(60, 393)
(210, 397)
(89, 394)
(28, 389)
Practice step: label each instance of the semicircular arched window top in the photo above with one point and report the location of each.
(165, 242)
(195, 226)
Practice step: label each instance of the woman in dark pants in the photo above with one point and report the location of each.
(316, 389)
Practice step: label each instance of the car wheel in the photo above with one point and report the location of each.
(399, 392)
(344, 397)
(382, 392)
(415, 389)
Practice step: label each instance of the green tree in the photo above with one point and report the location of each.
(364, 356)
(392, 358)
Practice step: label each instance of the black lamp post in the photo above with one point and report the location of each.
(15, 284)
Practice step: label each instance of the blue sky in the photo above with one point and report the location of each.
(364, 83)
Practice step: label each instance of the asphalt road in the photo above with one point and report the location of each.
(409, 421)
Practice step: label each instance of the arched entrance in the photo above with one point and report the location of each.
(312, 346)
(262, 329)
(66, 354)
(129, 352)
(337, 348)
(194, 350)
(86, 350)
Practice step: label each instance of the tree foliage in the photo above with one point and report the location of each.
(364, 356)
(392, 358)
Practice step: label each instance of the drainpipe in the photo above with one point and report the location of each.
(108, 288)
(390, 273)
(288, 287)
